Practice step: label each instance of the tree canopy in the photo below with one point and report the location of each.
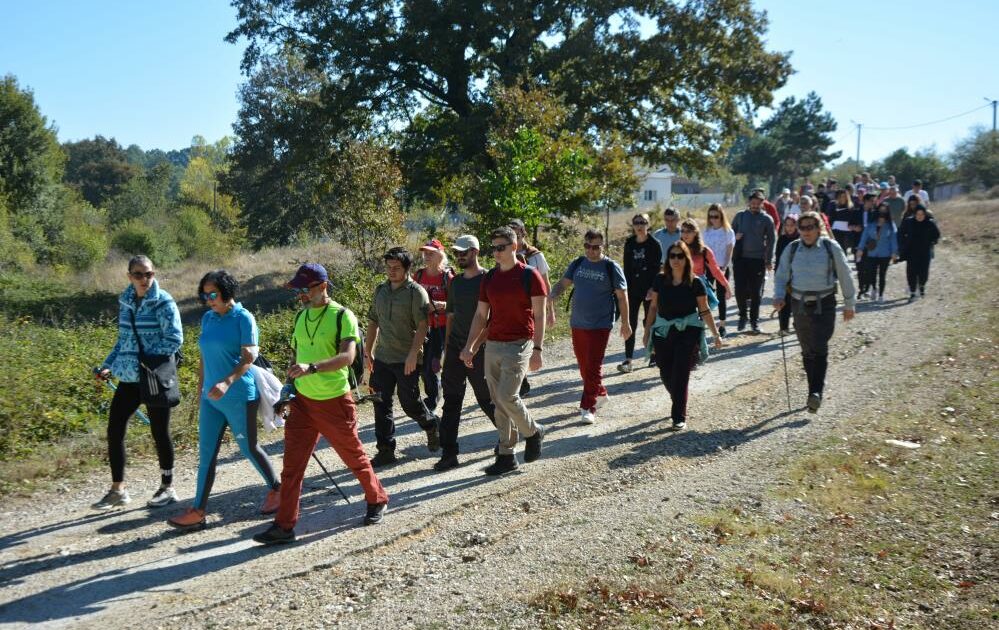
(98, 168)
(668, 78)
(976, 158)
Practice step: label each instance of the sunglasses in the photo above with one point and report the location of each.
(142, 275)
(714, 216)
(501, 247)
(592, 247)
(304, 290)
(677, 256)
(807, 227)
(639, 222)
(214, 295)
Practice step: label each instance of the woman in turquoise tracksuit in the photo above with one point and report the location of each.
(879, 246)
(228, 345)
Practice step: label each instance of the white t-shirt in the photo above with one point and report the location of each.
(718, 239)
(925, 196)
(538, 262)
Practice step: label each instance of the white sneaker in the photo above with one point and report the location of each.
(163, 496)
(881, 299)
(587, 416)
(601, 401)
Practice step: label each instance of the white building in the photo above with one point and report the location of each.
(655, 186)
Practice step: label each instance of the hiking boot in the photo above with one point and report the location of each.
(163, 496)
(375, 512)
(754, 328)
(271, 503)
(433, 439)
(502, 465)
(383, 458)
(814, 402)
(721, 330)
(192, 519)
(532, 445)
(275, 535)
(113, 499)
(742, 324)
(652, 360)
(678, 425)
(625, 368)
(587, 416)
(447, 462)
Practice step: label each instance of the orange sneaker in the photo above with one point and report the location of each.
(190, 520)
(272, 502)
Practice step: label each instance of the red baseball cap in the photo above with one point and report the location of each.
(433, 244)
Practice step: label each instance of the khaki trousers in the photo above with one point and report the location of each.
(505, 367)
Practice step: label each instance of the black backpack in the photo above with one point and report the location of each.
(355, 373)
(574, 265)
(525, 278)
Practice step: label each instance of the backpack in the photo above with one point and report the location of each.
(574, 265)
(830, 272)
(525, 278)
(446, 277)
(355, 372)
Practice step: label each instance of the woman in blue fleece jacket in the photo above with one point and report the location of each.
(157, 321)
(879, 247)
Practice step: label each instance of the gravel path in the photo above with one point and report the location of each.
(458, 549)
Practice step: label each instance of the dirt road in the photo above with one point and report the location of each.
(459, 549)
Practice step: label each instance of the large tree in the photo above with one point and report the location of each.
(98, 168)
(669, 78)
(976, 158)
(31, 160)
(791, 143)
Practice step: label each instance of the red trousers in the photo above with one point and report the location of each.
(590, 347)
(336, 420)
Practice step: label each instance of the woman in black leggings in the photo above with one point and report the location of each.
(642, 254)
(149, 310)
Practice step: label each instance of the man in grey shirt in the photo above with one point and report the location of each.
(812, 265)
(752, 258)
(669, 234)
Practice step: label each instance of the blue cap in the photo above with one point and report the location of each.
(309, 273)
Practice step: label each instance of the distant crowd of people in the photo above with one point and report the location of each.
(453, 326)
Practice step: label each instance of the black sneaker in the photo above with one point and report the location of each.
(652, 360)
(433, 439)
(814, 402)
(721, 330)
(525, 387)
(532, 446)
(502, 465)
(275, 535)
(447, 462)
(375, 512)
(754, 328)
(383, 458)
(742, 325)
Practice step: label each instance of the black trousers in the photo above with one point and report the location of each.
(675, 356)
(635, 302)
(814, 324)
(917, 272)
(749, 280)
(720, 292)
(386, 379)
(123, 405)
(430, 371)
(874, 272)
(455, 375)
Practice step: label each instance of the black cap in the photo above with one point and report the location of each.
(917, 182)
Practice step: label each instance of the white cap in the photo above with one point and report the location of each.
(465, 243)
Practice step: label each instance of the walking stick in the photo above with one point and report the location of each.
(787, 382)
(339, 489)
(143, 418)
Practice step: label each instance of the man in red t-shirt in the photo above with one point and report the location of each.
(512, 306)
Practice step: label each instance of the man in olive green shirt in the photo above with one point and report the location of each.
(393, 348)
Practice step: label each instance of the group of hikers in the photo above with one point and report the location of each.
(451, 327)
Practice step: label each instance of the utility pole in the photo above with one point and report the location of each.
(859, 126)
(994, 102)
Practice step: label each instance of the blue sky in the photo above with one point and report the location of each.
(157, 73)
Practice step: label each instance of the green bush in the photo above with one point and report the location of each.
(134, 238)
(195, 237)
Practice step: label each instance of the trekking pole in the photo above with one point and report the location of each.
(143, 418)
(787, 382)
(339, 489)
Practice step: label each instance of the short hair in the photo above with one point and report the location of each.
(814, 216)
(671, 211)
(831, 180)
(917, 182)
(592, 234)
(504, 232)
(869, 196)
(139, 259)
(402, 255)
(223, 281)
(517, 224)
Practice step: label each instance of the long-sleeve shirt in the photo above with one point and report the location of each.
(666, 239)
(158, 322)
(917, 238)
(758, 236)
(642, 262)
(886, 241)
(719, 239)
(810, 271)
(707, 258)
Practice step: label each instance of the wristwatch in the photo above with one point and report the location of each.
(313, 368)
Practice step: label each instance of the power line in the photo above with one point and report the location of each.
(927, 124)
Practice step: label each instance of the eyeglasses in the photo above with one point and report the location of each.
(142, 275)
(680, 256)
(214, 295)
(807, 227)
(592, 247)
(501, 247)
